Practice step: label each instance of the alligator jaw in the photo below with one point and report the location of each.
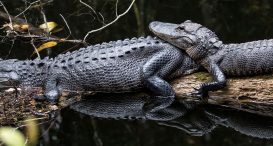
(172, 33)
(163, 30)
(7, 82)
(4, 83)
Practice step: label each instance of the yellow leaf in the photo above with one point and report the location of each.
(45, 45)
(16, 26)
(32, 131)
(49, 26)
(25, 26)
(12, 137)
(62, 39)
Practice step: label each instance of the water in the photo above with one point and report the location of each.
(120, 120)
(233, 21)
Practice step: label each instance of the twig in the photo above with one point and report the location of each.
(36, 51)
(45, 20)
(32, 3)
(66, 25)
(117, 8)
(43, 38)
(11, 47)
(34, 32)
(92, 9)
(32, 42)
(103, 21)
(110, 23)
(5, 9)
(88, 6)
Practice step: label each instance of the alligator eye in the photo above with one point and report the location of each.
(181, 27)
(188, 40)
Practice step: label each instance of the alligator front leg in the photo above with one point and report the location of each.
(200, 53)
(159, 66)
(219, 81)
(51, 89)
(166, 94)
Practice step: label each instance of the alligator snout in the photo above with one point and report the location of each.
(4, 83)
(163, 30)
(8, 79)
(154, 26)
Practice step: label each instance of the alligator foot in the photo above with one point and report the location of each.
(39, 97)
(218, 83)
(202, 94)
(52, 92)
(157, 103)
(44, 98)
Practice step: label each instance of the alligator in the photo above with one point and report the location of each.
(194, 120)
(114, 67)
(219, 59)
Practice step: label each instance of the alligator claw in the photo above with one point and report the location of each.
(200, 93)
(39, 97)
(44, 98)
(52, 96)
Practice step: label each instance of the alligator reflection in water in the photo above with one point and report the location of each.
(196, 122)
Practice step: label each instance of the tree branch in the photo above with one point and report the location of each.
(110, 23)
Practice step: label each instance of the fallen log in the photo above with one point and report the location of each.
(250, 94)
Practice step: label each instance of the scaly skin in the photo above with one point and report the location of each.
(121, 66)
(194, 121)
(203, 46)
(24, 73)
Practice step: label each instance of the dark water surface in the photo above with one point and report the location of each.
(233, 21)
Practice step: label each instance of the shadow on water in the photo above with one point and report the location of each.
(120, 120)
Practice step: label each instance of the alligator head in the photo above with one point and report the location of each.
(186, 35)
(9, 76)
(23, 73)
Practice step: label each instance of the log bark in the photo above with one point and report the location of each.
(251, 94)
